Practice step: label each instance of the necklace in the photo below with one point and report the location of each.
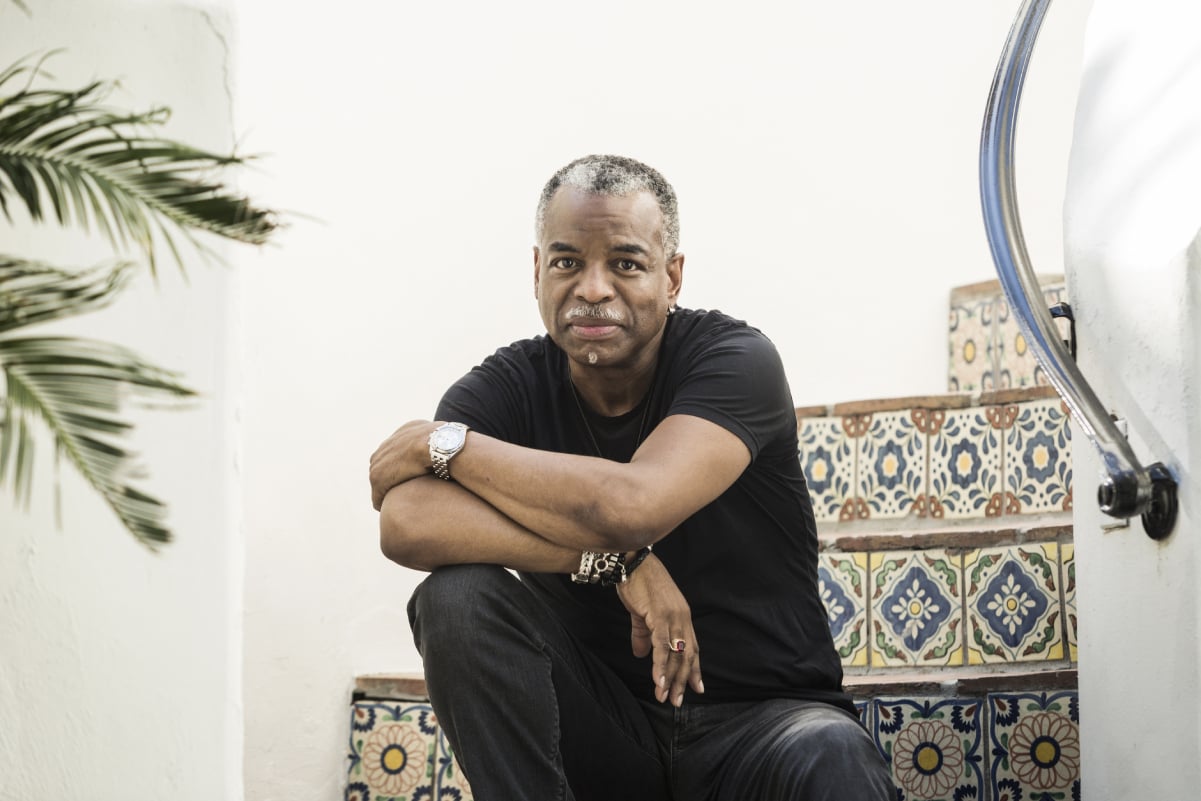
(646, 411)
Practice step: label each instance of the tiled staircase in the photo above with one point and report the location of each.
(947, 571)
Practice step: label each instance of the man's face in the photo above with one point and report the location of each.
(602, 279)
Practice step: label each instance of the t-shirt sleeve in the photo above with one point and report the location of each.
(489, 399)
(736, 380)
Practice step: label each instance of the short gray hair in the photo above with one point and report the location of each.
(616, 175)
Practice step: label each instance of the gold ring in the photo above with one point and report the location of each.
(676, 646)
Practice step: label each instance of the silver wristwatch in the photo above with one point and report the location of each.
(445, 442)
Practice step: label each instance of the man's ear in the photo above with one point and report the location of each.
(675, 277)
(537, 269)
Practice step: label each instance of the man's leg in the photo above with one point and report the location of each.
(529, 713)
(783, 750)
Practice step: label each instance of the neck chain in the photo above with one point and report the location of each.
(646, 411)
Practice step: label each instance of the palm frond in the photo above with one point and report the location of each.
(77, 387)
(65, 155)
(33, 292)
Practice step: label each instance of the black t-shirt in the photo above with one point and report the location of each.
(746, 563)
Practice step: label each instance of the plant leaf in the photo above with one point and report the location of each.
(64, 154)
(33, 292)
(78, 387)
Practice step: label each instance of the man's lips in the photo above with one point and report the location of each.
(592, 329)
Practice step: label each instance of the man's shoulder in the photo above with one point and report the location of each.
(699, 328)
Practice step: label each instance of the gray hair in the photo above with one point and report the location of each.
(616, 175)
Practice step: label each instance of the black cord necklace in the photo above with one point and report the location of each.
(646, 411)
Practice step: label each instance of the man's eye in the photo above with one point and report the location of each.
(565, 263)
(627, 266)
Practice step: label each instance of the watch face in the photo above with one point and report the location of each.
(447, 438)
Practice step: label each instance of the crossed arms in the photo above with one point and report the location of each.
(536, 511)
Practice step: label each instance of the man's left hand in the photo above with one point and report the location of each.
(400, 458)
(661, 624)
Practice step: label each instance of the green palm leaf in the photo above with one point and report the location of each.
(64, 154)
(76, 387)
(32, 292)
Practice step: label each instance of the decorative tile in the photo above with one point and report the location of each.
(932, 746)
(863, 708)
(1035, 743)
(1016, 365)
(842, 579)
(828, 460)
(1067, 557)
(452, 784)
(392, 752)
(970, 337)
(965, 466)
(1013, 606)
(890, 471)
(916, 608)
(1038, 458)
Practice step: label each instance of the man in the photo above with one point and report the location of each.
(567, 457)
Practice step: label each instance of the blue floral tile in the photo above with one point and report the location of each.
(863, 709)
(1038, 458)
(392, 752)
(452, 784)
(1016, 365)
(1013, 607)
(932, 746)
(1034, 741)
(891, 465)
(842, 579)
(965, 466)
(969, 337)
(1067, 556)
(828, 460)
(916, 609)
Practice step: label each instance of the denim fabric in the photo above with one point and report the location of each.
(533, 715)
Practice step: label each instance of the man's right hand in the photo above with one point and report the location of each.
(659, 617)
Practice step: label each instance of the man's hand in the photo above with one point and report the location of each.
(659, 617)
(400, 458)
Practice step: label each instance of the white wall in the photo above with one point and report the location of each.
(119, 668)
(1133, 215)
(825, 156)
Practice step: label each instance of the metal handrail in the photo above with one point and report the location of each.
(1129, 488)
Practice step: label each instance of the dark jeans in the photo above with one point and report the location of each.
(533, 715)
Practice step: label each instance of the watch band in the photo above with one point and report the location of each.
(440, 457)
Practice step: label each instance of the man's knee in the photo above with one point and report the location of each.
(454, 603)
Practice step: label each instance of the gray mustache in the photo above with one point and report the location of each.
(594, 313)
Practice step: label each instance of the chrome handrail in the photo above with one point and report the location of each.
(1129, 488)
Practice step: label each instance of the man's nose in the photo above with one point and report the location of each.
(595, 284)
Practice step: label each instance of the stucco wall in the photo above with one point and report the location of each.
(1133, 215)
(120, 673)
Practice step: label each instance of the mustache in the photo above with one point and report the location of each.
(593, 312)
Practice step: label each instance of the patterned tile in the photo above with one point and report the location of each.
(1035, 746)
(916, 608)
(932, 746)
(391, 750)
(1067, 557)
(891, 468)
(1016, 365)
(842, 579)
(1038, 458)
(1013, 606)
(970, 336)
(452, 784)
(397, 753)
(828, 459)
(965, 466)
(864, 710)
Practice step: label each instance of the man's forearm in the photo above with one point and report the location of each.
(428, 523)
